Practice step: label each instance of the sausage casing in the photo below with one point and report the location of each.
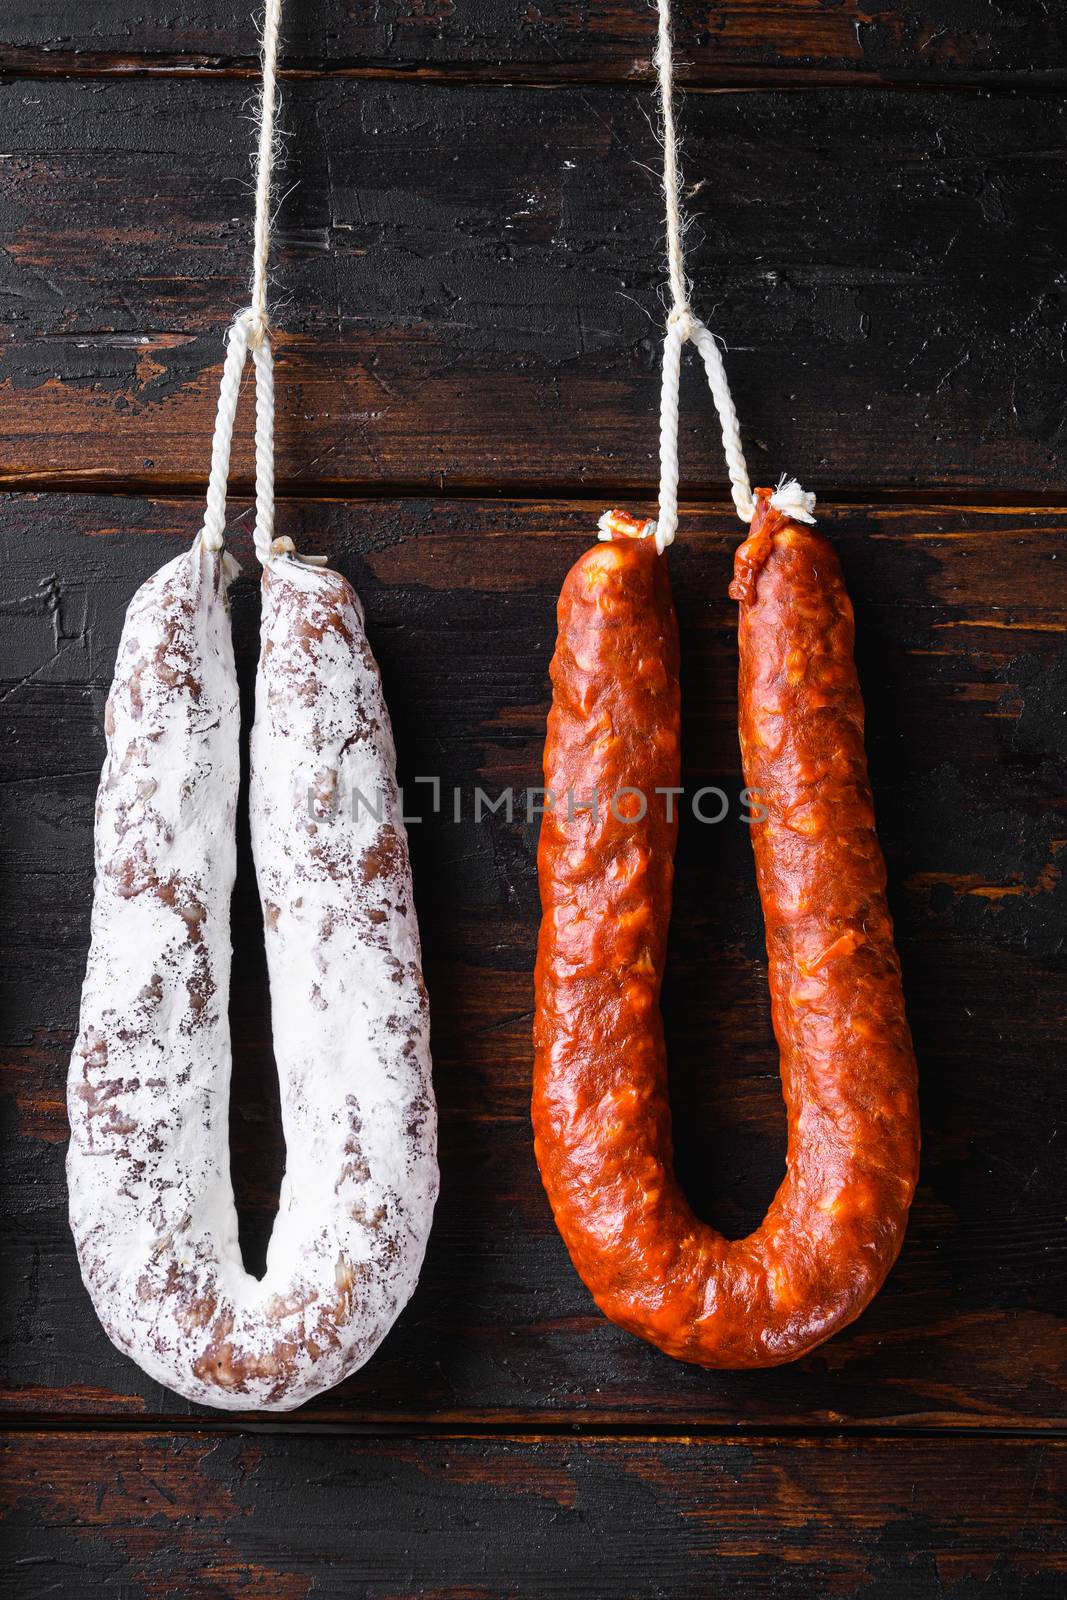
(151, 1203)
(600, 1103)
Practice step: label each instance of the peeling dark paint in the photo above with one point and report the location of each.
(462, 290)
(939, 40)
(303, 1516)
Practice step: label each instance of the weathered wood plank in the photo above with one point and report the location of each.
(468, 284)
(294, 1515)
(939, 40)
(962, 657)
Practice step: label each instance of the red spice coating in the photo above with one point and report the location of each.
(600, 1109)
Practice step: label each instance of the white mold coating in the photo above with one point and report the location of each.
(151, 1202)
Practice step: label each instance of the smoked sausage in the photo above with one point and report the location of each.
(600, 1105)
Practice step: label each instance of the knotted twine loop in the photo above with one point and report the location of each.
(685, 327)
(250, 330)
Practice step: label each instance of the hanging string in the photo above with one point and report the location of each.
(268, 100)
(250, 330)
(685, 327)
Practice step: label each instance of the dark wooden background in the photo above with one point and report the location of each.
(468, 280)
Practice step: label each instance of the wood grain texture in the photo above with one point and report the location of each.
(467, 285)
(467, 278)
(294, 1516)
(934, 41)
(962, 659)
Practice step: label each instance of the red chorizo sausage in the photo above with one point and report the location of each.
(600, 1107)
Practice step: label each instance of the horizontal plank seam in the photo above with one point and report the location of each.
(30, 63)
(709, 1433)
(519, 493)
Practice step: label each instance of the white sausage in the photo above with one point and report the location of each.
(151, 1202)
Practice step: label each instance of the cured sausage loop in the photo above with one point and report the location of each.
(151, 1204)
(600, 1105)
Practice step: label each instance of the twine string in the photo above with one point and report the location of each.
(684, 326)
(250, 331)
